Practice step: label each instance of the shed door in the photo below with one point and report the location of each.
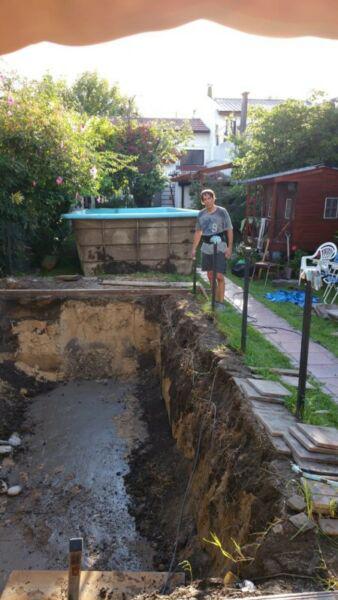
(286, 196)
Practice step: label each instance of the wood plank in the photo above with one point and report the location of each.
(317, 468)
(325, 437)
(308, 444)
(118, 585)
(298, 596)
(81, 293)
(146, 283)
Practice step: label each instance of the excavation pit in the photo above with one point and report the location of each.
(120, 399)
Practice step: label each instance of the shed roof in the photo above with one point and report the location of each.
(235, 104)
(286, 174)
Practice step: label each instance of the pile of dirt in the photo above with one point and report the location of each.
(15, 389)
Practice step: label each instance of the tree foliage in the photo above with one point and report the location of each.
(293, 134)
(57, 142)
(153, 146)
(94, 96)
(48, 154)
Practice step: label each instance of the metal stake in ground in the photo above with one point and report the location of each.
(304, 351)
(74, 571)
(245, 303)
(194, 275)
(213, 289)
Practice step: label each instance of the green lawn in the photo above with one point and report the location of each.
(261, 353)
(322, 330)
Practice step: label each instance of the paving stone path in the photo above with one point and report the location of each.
(322, 364)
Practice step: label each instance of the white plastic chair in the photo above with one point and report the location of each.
(331, 280)
(322, 257)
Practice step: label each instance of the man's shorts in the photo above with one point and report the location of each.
(221, 263)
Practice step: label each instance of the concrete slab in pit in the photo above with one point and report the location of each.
(116, 585)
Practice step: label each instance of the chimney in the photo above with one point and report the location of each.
(210, 90)
(244, 112)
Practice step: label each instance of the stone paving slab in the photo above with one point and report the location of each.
(317, 354)
(274, 424)
(323, 469)
(265, 387)
(290, 380)
(324, 489)
(300, 453)
(280, 446)
(309, 445)
(327, 374)
(329, 526)
(324, 437)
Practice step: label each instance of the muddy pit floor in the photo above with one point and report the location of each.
(72, 466)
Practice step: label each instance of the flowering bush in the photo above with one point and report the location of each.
(47, 155)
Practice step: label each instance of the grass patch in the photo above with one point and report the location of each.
(322, 330)
(261, 353)
(151, 275)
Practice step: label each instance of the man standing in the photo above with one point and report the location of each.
(214, 226)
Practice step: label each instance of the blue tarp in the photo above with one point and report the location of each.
(293, 297)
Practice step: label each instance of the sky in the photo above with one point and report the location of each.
(168, 72)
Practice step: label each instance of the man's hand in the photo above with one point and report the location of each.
(228, 253)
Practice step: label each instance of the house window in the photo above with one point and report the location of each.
(193, 158)
(288, 208)
(331, 208)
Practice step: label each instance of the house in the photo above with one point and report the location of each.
(196, 155)
(297, 207)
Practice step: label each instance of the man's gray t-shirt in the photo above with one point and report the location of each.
(212, 224)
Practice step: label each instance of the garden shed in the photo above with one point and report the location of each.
(299, 207)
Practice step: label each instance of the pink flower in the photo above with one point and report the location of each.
(34, 183)
(9, 112)
(10, 100)
(59, 180)
(62, 145)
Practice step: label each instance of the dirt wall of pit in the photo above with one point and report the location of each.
(240, 485)
(56, 339)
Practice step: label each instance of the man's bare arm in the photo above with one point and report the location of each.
(230, 235)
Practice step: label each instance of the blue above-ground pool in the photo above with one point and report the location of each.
(120, 240)
(168, 212)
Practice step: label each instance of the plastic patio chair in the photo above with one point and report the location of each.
(331, 280)
(323, 256)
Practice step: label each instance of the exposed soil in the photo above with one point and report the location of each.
(76, 447)
(86, 455)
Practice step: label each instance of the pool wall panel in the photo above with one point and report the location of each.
(117, 246)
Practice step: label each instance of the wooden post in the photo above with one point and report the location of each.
(74, 571)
